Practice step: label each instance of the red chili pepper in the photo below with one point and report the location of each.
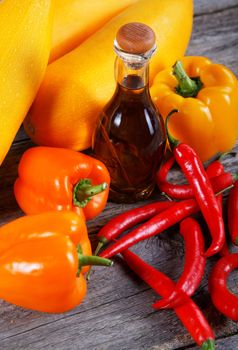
(225, 301)
(160, 222)
(189, 313)
(194, 267)
(224, 251)
(214, 169)
(183, 191)
(128, 219)
(233, 213)
(223, 181)
(156, 225)
(220, 202)
(193, 169)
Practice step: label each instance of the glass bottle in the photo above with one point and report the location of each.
(130, 137)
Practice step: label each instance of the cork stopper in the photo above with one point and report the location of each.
(135, 38)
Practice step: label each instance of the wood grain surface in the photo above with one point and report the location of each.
(117, 312)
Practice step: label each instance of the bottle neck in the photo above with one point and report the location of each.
(131, 76)
(132, 70)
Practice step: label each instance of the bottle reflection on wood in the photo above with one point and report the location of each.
(130, 136)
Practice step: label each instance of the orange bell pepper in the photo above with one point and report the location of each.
(41, 261)
(206, 95)
(61, 179)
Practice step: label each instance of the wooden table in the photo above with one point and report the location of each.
(117, 312)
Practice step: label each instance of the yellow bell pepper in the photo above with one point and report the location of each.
(206, 97)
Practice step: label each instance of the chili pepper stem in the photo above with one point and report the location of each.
(101, 243)
(89, 274)
(84, 191)
(235, 177)
(99, 247)
(208, 345)
(225, 189)
(85, 260)
(166, 196)
(187, 87)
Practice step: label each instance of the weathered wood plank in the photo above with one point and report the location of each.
(21, 135)
(202, 7)
(215, 36)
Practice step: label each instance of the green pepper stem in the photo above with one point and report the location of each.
(208, 345)
(187, 87)
(85, 260)
(93, 260)
(172, 141)
(84, 191)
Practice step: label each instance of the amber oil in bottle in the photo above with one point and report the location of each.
(130, 137)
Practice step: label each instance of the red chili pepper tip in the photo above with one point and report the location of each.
(189, 313)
